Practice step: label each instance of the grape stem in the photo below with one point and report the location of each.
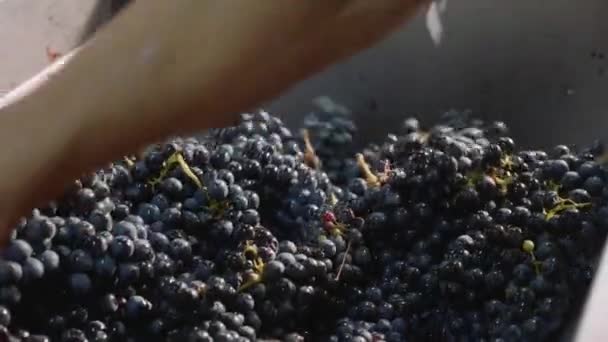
(175, 159)
(310, 157)
(343, 261)
(368, 175)
(564, 204)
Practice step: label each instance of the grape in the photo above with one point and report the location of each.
(441, 233)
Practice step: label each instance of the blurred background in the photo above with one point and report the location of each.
(538, 65)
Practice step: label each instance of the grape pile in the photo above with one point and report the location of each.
(445, 234)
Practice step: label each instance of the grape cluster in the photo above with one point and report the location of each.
(444, 234)
(329, 132)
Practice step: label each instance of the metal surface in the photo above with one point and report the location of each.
(529, 63)
(29, 28)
